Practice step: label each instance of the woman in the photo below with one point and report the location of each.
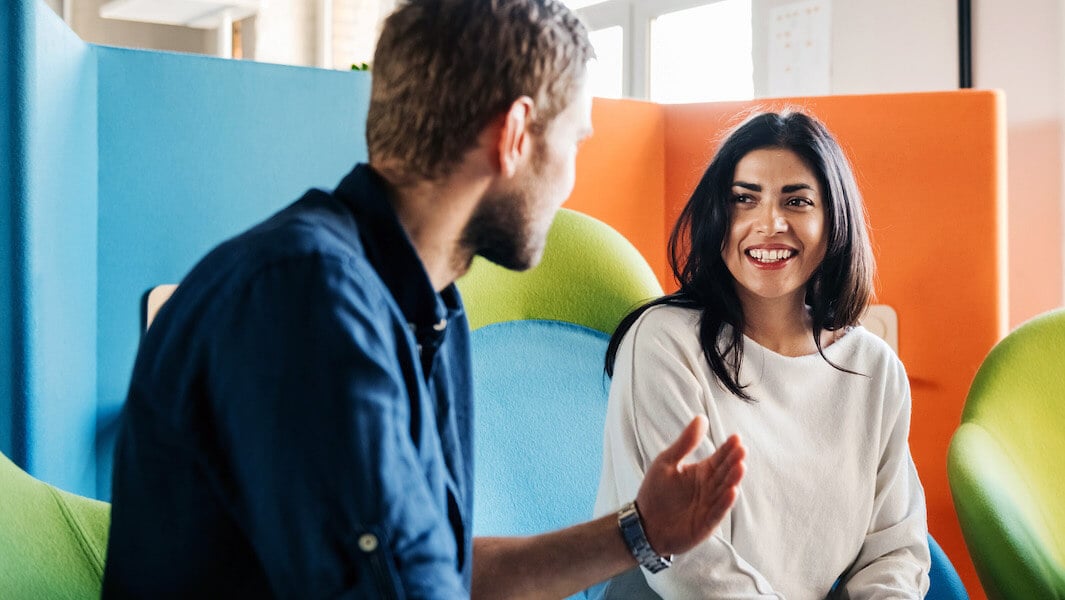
(775, 269)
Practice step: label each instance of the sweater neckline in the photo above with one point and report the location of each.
(834, 348)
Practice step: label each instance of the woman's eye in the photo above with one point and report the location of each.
(742, 198)
(800, 202)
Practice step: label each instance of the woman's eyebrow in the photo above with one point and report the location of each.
(754, 187)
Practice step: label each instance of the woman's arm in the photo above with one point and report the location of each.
(894, 560)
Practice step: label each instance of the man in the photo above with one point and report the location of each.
(298, 422)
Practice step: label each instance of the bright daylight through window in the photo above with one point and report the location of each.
(694, 51)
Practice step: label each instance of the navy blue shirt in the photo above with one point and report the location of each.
(299, 419)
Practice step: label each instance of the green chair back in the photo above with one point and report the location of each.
(590, 275)
(1006, 463)
(52, 543)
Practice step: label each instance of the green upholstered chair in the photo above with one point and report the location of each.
(52, 543)
(590, 276)
(1005, 464)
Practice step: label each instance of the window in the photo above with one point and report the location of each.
(702, 54)
(670, 50)
(606, 75)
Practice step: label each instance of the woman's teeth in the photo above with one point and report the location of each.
(770, 256)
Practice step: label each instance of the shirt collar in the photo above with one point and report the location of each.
(390, 251)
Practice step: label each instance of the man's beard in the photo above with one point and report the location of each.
(499, 231)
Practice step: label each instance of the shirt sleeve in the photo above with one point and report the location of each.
(315, 458)
(654, 394)
(894, 559)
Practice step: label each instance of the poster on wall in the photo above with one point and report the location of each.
(800, 49)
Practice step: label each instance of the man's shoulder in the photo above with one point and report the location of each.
(315, 225)
(311, 247)
(315, 228)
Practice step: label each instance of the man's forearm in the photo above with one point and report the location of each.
(685, 503)
(552, 565)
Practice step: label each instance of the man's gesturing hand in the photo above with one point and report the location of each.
(682, 504)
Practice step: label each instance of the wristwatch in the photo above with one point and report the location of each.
(632, 531)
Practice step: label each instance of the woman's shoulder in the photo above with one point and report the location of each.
(869, 351)
(665, 319)
(860, 338)
(664, 325)
(869, 343)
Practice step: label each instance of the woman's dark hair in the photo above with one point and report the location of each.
(839, 289)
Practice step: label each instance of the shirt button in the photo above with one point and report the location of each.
(368, 542)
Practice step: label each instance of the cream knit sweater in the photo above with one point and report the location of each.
(830, 491)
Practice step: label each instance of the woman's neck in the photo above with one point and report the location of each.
(782, 325)
(784, 330)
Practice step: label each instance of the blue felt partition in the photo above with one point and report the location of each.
(193, 150)
(118, 169)
(16, 37)
(49, 271)
(62, 245)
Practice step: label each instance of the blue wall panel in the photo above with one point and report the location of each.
(48, 237)
(16, 61)
(61, 259)
(193, 150)
(120, 168)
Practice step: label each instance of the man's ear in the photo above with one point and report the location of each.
(514, 141)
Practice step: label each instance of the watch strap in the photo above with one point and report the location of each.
(631, 526)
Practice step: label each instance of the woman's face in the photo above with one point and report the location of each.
(777, 236)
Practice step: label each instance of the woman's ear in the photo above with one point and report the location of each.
(514, 136)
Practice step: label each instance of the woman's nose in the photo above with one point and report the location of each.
(771, 221)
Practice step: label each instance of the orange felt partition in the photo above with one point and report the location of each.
(620, 175)
(932, 170)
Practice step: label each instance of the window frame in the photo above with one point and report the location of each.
(635, 18)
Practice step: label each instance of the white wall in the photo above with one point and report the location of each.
(882, 46)
(878, 46)
(356, 25)
(1018, 47)
(91, 27)
(285, 31)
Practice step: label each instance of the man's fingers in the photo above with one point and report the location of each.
(729, 452)
(726, 465)
(729, 474)
(723, 487)
(686, 442)
(723, 502)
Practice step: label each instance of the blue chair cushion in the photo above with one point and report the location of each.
(943, 580)
(540, 407)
